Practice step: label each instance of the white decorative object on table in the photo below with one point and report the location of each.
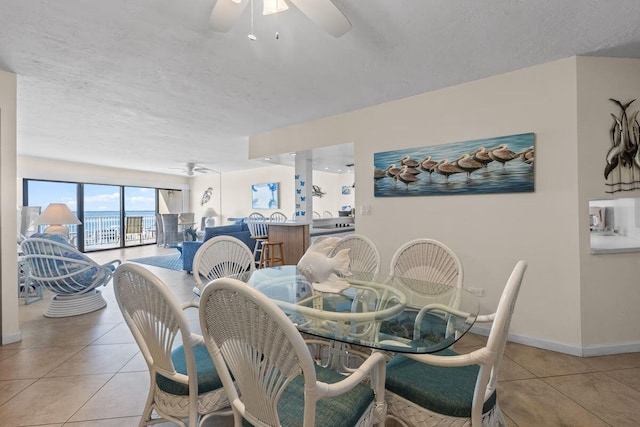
(322, 270)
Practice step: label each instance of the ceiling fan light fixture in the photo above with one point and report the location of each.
(273, 6)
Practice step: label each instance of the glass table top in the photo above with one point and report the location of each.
(373, 310)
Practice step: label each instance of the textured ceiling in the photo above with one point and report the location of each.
(145, 84)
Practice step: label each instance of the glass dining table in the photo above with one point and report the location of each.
(371, 310)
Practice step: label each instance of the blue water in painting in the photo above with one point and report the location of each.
(516, 176)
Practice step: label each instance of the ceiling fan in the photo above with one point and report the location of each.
(191, 169)
(324, 13)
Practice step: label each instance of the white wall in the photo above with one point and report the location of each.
(489, 232)
(609, 295)
(8, 210)
(232, 191)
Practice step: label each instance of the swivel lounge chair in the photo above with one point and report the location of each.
(184, 383)
(278, 384)
(72, 276)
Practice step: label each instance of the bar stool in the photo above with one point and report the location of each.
(268, 256)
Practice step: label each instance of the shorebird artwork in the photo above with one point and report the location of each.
(502, 164)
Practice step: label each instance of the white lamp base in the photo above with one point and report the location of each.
(60, 230)
(209, 222)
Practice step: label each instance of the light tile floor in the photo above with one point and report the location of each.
(87, 371)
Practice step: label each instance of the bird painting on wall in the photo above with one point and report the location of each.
(206, 196)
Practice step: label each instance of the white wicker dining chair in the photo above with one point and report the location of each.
(184, 383)
(277, 382)
(450, 389)
(363, 254)
(74, 278)
(220, 256)
(427, 260)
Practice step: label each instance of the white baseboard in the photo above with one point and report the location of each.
(587, 351)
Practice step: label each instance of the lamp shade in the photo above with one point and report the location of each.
(57, 214)
(209, 212)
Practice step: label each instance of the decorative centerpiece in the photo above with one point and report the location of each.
(323, 271)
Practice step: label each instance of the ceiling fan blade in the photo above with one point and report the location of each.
(225, 13)
(324, 14)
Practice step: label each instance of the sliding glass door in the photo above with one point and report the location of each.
(102, 216)
(140, 215)
(112, 216)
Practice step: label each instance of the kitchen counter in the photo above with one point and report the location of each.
(611, 244)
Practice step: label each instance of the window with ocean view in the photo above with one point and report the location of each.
(112, 216)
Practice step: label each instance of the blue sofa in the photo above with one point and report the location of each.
(239, 231)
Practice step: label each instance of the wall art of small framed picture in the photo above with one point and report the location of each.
(346, 189)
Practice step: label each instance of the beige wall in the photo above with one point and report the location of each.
(39, 168)
(609, 294)
(489, 232)
(8, 210)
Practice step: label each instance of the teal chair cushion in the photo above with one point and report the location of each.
(433, 328)
(208, 379)
(447, 391)
(343, 410)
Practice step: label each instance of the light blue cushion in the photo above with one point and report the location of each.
(208, 379)
(447, 391)
(343, 410)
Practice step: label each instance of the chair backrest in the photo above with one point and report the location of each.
(316, 215)
(221, 256)
(327, 214)
(155, 319)
(63, 269)
(428, 260)
(363, 254)
(170, 229)
(255, 215)
(277, 217)
(258, 227)
(133, 225)
(251, 339)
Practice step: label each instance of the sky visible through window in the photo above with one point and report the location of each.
(97, 198)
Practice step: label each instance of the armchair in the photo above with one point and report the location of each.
(447, 388)
(184, 381)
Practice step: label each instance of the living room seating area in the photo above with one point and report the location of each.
(239, 231)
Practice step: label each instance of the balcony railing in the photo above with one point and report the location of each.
(103, 232)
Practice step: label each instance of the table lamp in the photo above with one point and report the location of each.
(55, 215)
(209, 213)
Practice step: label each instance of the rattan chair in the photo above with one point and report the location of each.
(428, 260)
(184, 383)
(70, 275)
(220, 256)
(278, 383)
(424, 260)
(170, 231)
(363, 254)
(448, 389)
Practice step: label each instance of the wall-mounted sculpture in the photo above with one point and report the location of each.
(622, 171)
